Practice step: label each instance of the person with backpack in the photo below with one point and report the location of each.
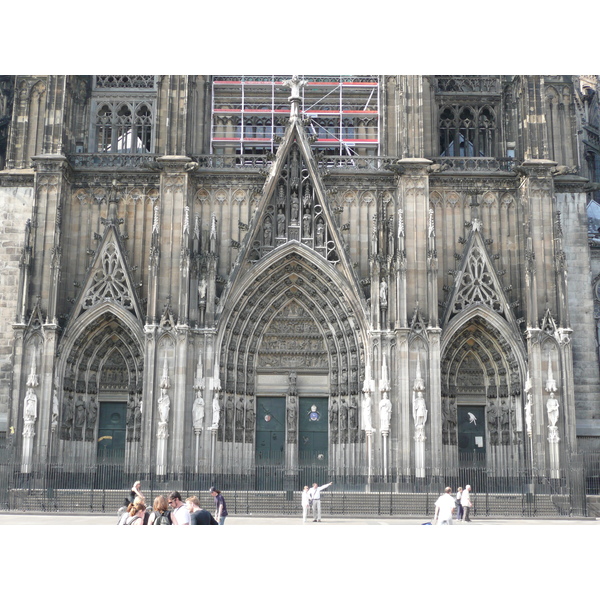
(136, 514)
(198, 515)
(161, 515)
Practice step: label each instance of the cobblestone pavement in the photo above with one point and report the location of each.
(238, 520)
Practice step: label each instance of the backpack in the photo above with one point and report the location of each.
(120, 512)
(162, 518)
(128, 522)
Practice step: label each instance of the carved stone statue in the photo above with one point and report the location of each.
(306, 224)
(250, 420)
(291, 415)
(367, 403)
(383, 287)
(79, 412)
(333, 415)
(54, 410)
(320, 233)
(352, 414)
(295, 207)
(343, 415)
(229, 412)
(268, 233)
(552, 409)
(202, 285)
(385, 412)
(292, 386)
(451, 420)
(280, 223)
(30, 407)
(164, 406)
(198, 412)
(492, 422)
(504, 421)
(419, 409)
(528, 415)
(239, 414)
(216, 410)
(92, 412)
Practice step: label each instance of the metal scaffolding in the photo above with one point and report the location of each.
(249, 113)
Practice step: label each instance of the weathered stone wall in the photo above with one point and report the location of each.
(15, 209)
(581, 309)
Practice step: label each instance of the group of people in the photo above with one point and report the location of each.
(171, 510)
(311, 499)
(446, 504)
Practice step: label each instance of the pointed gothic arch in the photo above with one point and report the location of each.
(104, 351)
(293, 274)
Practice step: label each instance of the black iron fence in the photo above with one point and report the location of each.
(276, 490)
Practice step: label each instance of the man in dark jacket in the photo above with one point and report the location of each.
(198, 516)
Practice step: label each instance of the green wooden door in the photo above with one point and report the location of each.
(270, 430)
(471, 434)
(112, 427)
(313, 431)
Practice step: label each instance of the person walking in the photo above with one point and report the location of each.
(444, 507)
(305, 503)
(459, 508)
(220, 506)
(198, 515)
(180, 514)
(136, 492)
(161, 515)
(314, 496)
(466, 503)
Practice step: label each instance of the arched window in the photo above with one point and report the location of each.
(448, 131)
(487, 132)
(124, 112)
(466, 132)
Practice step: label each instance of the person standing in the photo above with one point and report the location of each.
(444, 507)
(136, 514)
(305, 503)
(466, 503)
(180, 514)
(198, 515)
(314, 496)
(136, 492)
(161, 514)
(220, 506)
(459, 508)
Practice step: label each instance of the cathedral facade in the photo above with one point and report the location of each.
(387, 276)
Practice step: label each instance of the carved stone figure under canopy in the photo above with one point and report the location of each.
(79, 412)
(164, 406)
(216, 410)
(367, 403)
(385, 412)
(30, 407)
(552, 408)
(320, 233)
(419, 409)
(333, 414)
(198, 412)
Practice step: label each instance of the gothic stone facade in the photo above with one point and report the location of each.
(177, 302)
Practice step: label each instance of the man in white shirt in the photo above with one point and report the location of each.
(180, 511)
(444, 507)
(314, 497)
(466, 503)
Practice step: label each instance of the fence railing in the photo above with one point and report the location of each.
(275, 489)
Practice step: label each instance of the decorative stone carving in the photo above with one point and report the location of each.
(385, 413)
(198, 412)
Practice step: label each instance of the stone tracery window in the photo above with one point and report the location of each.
(123, 108)
(467, 131)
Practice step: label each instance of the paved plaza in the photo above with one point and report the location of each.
(249, 520)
